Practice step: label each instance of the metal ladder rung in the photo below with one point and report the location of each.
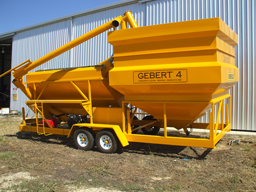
(37, 110)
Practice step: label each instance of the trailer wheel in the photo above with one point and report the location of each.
(106, 141)
(83, 139)
(152, 130)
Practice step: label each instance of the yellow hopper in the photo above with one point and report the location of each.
(185, 64)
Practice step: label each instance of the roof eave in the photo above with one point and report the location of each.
(89, 11)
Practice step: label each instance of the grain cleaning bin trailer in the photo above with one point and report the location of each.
(174, 72)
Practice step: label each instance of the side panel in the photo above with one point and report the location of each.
(107, 115)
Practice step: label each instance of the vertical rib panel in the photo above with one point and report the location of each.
(98, 49)
(253, 57)
(240, 16)
(36, 43)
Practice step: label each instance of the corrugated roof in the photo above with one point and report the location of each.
(89, 11)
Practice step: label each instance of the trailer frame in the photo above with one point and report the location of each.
(217, 126)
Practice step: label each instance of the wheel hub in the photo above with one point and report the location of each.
(106, 142)
(82, 139)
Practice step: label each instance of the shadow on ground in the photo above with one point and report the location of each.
(181, 152)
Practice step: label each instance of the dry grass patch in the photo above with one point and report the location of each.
(55, 164)
(6, 155)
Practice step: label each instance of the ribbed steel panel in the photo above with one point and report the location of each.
(98, 49)
(240, 16)
(34, 44)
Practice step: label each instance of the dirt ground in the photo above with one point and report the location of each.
(33, 163)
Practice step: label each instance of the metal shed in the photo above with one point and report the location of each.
(35, 41)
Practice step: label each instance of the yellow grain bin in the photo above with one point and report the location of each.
(72, 85)
(186, 63)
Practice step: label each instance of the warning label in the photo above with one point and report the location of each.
(170, 76)
(231, 76)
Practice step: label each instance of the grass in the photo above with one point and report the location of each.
(94, 181)
(254, 163)
(234, 179)
(188, 171)
(102, 173)
(131, 187)
(87, 180)
(168, 188)
(203, 182)
(247, 149)
(176, 187)
(100, 170)
(6, 155)
(37, 185)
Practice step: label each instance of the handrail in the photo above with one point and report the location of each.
(27, 62)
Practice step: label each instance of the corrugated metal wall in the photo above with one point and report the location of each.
(34, 44)
(97, 49)
(238, 14)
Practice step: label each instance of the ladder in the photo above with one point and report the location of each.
(40, 109)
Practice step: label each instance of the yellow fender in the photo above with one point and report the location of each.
(120, 135)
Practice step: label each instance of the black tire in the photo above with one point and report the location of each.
(83, 139)
(153, 130)
(106, 141)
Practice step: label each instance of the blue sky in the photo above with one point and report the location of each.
(16, 14)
